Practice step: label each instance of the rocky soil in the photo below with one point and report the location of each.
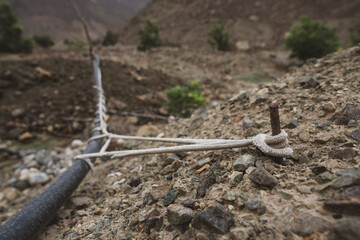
(229, 194)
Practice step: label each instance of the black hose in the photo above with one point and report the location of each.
(37, 214)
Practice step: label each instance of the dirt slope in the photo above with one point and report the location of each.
(262, 23)
(56, 17)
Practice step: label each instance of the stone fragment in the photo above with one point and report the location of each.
(76, 143)
(170, 197)
(18, 112)
(196, 123)
(189, 203)
(243, 162)
(10, 193)
(38, 178)
(356, 135)
(347, 177)
(134, 182)
(308, 82)
(214, 219)
(231, 196)
(346, 229)
(153, 222)
(262, 177)
(254, 202)
(81, 202)
(304, 224)
(348, 113)
(205, 182)
(171, 168)
(178, 214)
(247, 123)
(318, 169)
(239, 233)
(170, 159)
(324, 177)
(323, 125)
(352, 123)
(329, 107)
(293, 124)
(235, 178)
(304, 136)
(25, 136)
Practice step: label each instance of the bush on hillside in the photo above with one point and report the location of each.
(110, 39)
(354, 36)
(43, 41)
(182, 101)
(11, 33)
(149, 37)
(219, 38)
(311, 39)
(76, 45)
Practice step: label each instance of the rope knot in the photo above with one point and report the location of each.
(273, 145)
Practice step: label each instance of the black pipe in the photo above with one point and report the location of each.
(37, 214)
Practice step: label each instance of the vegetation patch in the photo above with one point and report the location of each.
(219, 38)
(149, 37)
(311, 39)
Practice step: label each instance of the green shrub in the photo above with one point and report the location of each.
(11, 33)
(219, 38)
(182, 101)
(110, 39)
(43, 41)
(354, 36)
(76, 45)
(310, 39)
(149, 37)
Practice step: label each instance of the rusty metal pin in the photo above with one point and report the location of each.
(274, 117)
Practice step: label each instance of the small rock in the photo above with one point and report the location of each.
(10, 193)
(318, 169)
(196, 123)
(242, 45)
(308, 82)
(170, 159)
(293, 124)
(356, 135)
(231, 196)
(25, 136)
(247, 123)
(329, 106)
(342, 153)
(147, 130)
(189, 203)
(81, 202)
(18, 112)
(203, 162)
(325, 124)
(324, 177)
(239, 233)
(347, 229)
(134, 182)
(235, 178)
(243, 162)
(206, 181)
(254, 202)
(262, 177)
(171, 168)
(96, 227)
(215, 219)
(38, 178)
(352, 123)
(153, 222)
(304, 136)
(178, 214)
(170, 197)
(76, 143)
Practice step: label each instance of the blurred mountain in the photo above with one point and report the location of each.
(57, 19)
(262, 23)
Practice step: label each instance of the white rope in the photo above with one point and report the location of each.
(271, 145)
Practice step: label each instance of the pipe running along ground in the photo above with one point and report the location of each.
(32, 219)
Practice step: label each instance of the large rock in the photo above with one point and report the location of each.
(303, 224)
(348, 202)
(214, 219)
(347, 229)
(205, 182)
(178, 214)
(262, 177)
